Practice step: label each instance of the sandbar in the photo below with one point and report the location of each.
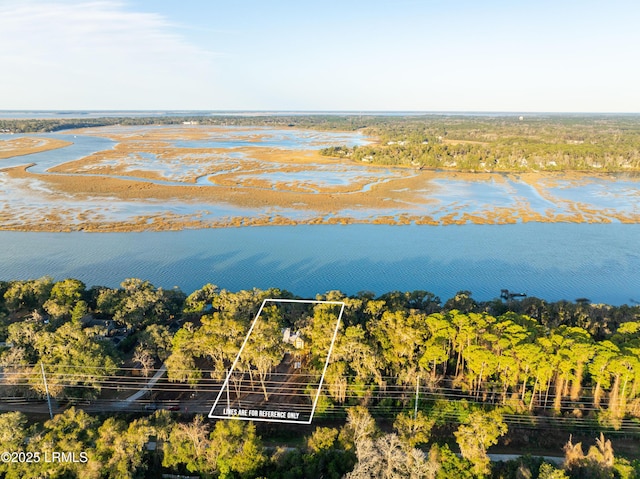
(28, 145)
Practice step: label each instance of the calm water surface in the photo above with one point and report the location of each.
(548, 260)
(551, 261)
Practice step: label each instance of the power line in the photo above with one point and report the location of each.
(123, 382)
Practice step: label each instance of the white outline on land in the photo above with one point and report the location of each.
(225, 385)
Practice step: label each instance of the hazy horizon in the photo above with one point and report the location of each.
(68, 112)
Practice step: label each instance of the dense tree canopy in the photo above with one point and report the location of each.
(429, 366)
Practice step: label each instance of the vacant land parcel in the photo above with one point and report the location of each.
(279, 370)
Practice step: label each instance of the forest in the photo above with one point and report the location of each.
(480, 143)
(535, 143)
(412, 381)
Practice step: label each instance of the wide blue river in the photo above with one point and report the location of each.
(551, 261)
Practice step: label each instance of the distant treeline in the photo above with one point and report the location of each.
(321, 122)
(595, 143)
(504, 144)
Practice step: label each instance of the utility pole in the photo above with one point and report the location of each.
(46, 388)
(415, 411)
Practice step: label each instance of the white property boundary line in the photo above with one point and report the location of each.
(225, 385)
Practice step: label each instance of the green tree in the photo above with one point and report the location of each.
(413, 431)
(72, 431)
(242, 305)
(354, 348)
(107, 300)
(219, 339)
(28, 295)
(140, 303)
(156, 339)
(63, 297)
(319, 330)
(121, 447)
(181, 364)
(480, 430)
(599, 369)
(400, 335)
(79, 311)
(336, 381)
(265, 349)
(17, 371)
(548, 471)
(450, 464)
(323, 438)
(13, 437)
(438, 347)
(76, 363)
(462, 302)
(481, 363)
(624, 369)
(25, 335)
(201, 299)
(528, 356)
(188, 445)
(236, 449)
(465, 332)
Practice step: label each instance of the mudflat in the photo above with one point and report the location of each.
(27, 145)
(167, 178)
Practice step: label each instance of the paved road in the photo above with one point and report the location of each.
(40, 406)
(557, 460)
(126, 403)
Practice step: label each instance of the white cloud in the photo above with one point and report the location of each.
(98, 54)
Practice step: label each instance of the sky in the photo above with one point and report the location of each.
(346, 55)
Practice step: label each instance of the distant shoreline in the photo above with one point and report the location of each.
(57, 113)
